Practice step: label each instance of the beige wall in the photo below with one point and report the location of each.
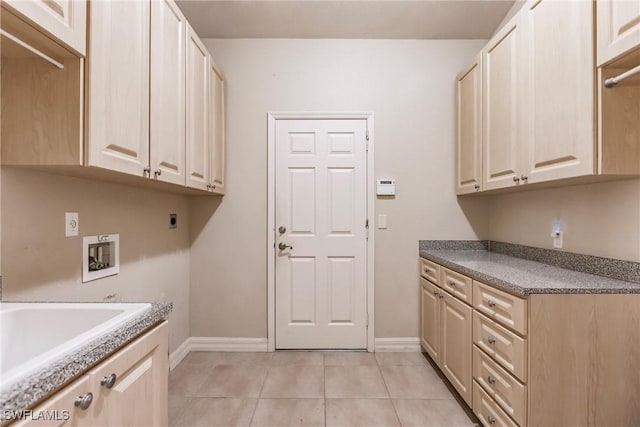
(41, 264)
(409, 85)
(598, 219)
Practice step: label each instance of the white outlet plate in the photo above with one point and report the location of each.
(71, 224)
(557, 240)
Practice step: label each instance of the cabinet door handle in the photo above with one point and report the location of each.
(491, 380)
(157, 172)
(491, 303)
(109, 381)
(477, 187)
(436, 293)
(491, 419)
(491, 339)
(83, 402)
(524, 178)
(516, 179)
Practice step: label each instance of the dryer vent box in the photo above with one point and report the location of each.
(100, 256)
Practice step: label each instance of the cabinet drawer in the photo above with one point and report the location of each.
(457, 284)
(508, 349)
(429, 270)
(62, 404)
(507, 391)
(488, 411)
(500, 306)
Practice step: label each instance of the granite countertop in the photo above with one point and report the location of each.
(524, 277)
(32, 389)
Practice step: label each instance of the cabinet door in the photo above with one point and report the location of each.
(139, 394)
(197, 112)
(560, 89)
(61, 407)
(65, 20)
(167, 129)
(618, 28)
(469, 153)
(217, 131)
(118, 86)
(456, 350)
(502, 100)
(430, 319)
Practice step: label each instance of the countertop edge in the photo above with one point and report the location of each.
(519, 290)
(30, 391)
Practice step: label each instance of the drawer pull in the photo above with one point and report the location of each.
(491, 380)
(491, 339)
(491, 303)
(109, 381)
(84, 401)
(491, 419)
(452, 283)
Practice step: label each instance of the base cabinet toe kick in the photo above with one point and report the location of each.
(540, 360)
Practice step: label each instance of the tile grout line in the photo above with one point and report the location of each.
(393, 405)
(261, 389)
(324, 387)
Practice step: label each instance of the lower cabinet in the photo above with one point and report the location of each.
(128, 389)
(446, 335)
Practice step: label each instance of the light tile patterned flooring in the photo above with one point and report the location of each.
(310, 389)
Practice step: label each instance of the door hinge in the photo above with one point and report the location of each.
(366, 224)
(367, 134)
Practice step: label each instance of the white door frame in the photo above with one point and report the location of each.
(271, 217)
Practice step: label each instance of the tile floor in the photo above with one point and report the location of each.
(310, 389)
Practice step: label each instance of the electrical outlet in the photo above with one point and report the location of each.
(557, 240)
(71, 224)
(173, 220)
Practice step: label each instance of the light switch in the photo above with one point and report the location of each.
(71, 224)
(382, 221)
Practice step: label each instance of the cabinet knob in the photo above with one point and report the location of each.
(83, 402)
(491, 380)
(441, 296)
(436, 293)
(491, 419)
(208, 186)
(146, 170)
(491, 303)
(516, 179)
(109, 381)
(452, 283)
(157, 172)
(524, 178)
(477, 187)
(491, 339)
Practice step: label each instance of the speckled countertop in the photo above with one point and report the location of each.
(29, 391)
(523, 277)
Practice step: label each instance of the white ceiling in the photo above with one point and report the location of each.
(361, 19)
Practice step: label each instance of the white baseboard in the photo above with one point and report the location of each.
(408, 344)
(216, 344)
(178, 354)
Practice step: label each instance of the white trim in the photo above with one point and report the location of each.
(271, 226)
(408, 344)
(178, 354)
(215, 344)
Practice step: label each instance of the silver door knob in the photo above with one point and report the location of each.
(283, 246)
(109, 381)
(84, 401)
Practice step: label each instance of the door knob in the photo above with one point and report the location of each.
(283, 246)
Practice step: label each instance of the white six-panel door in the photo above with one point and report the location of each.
(321, 205)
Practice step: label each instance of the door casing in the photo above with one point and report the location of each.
(271, 220)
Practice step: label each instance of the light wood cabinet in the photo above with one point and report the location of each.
(137, 396)
(488, 411)
(500, 306)
(430, 271)
(618, 24)
(167, 111)
(117, 117)
(457, 285)
(469, 128)
(430, 319)
(198, 140)
(456, 344)
(64, 20)
(502, 85)
(216, 131)
(560, 90)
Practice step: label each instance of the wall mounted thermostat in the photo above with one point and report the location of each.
(100, 256)
(386, 187)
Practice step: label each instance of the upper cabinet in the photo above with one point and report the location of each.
(547, 115)
(216, 131)
(145, 107)
(64, 20)
(502, 119)
(618, 28)
(560, 90)
(118, 86)
(469, 152)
